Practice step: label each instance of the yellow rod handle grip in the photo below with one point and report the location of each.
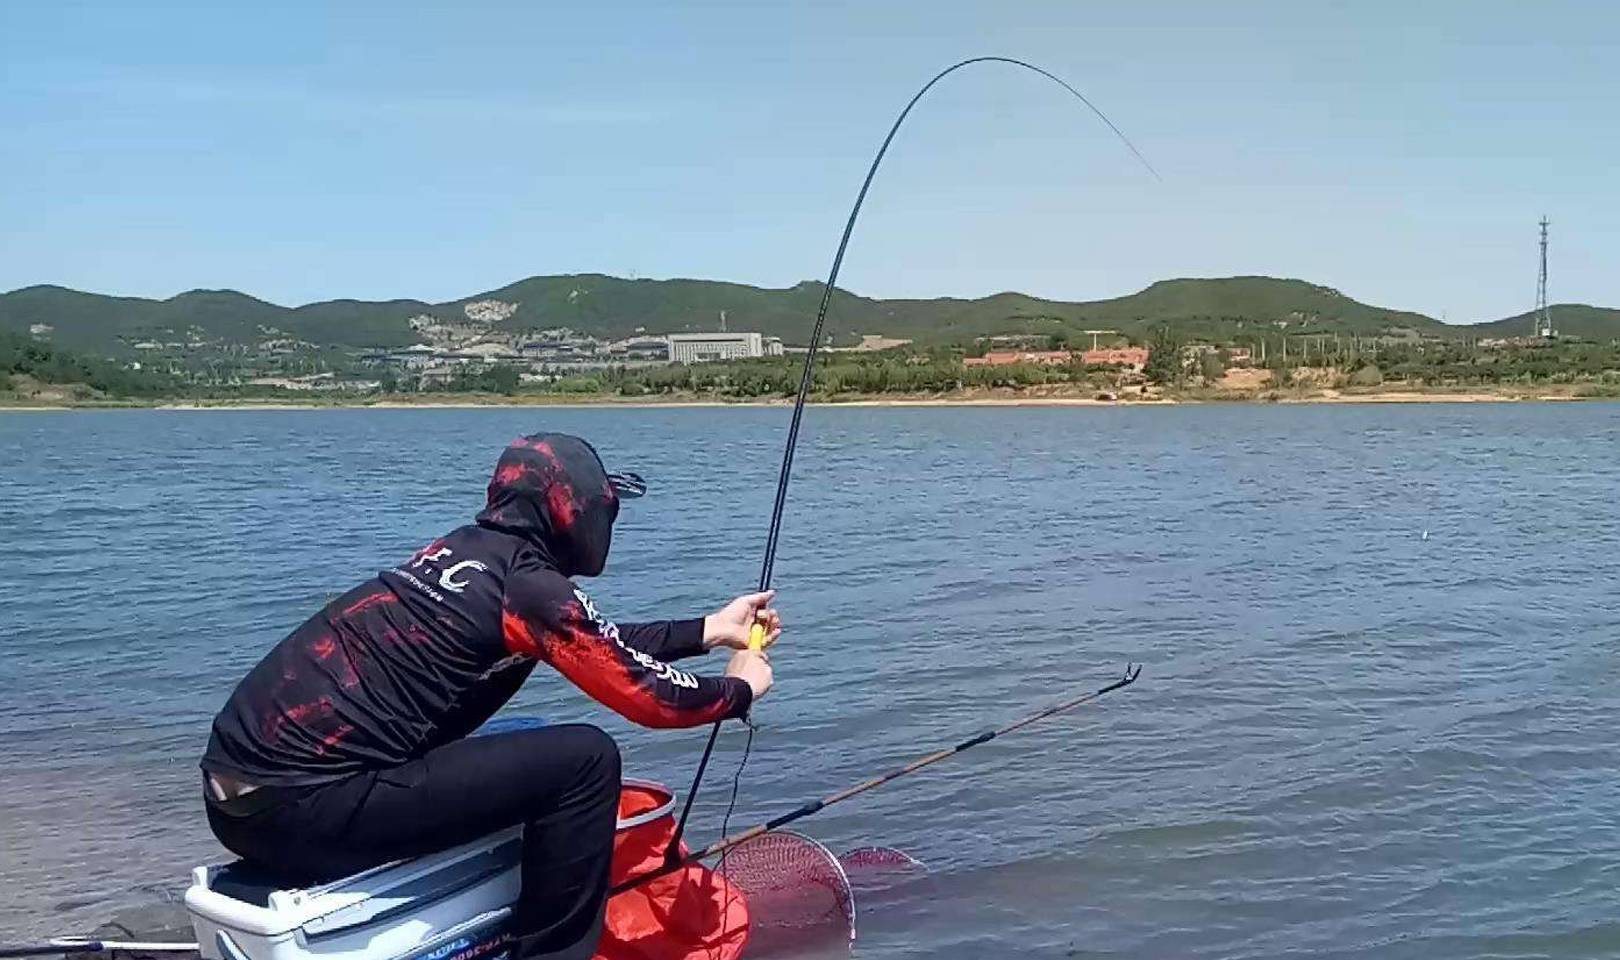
(756, 636)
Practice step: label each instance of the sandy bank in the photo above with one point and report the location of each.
(642, 403)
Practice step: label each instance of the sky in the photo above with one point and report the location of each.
(1400, 152)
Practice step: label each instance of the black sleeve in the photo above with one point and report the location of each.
(546, 617)
(665, 639)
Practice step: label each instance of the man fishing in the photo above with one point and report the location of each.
(347, 745)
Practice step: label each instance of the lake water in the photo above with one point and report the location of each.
(1379, 715)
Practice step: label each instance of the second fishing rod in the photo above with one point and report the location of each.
(719, 847)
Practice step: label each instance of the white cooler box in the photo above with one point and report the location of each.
(451, 905)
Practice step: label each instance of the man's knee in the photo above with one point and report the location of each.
(597, 755)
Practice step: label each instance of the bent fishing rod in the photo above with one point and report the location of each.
(756, 640)
(1132, 671)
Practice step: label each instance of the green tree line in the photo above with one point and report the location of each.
(833, 375)
(1463, 364)
(24, 356)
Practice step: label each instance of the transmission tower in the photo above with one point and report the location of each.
(1543, 318)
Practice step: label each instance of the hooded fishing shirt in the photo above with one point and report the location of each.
(426, 651)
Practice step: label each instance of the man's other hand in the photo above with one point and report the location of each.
(729, 626)
(753, 668)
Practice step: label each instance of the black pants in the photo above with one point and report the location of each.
(561, 782)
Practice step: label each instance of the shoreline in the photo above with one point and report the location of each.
(473, 403)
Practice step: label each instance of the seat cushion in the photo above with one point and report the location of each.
(250, 882)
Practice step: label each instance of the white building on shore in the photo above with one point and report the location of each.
(704, 347)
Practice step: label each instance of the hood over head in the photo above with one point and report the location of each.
(552, 490)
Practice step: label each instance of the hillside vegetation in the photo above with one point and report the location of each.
(1569, 320)
(610, 307)
(31, 369)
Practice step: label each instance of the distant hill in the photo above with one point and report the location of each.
(1221, 307)
(614, 307)
(90, 321)
(1569, 319)
(609, 305)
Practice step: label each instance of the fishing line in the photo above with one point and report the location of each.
(773, 536)
(673, 858)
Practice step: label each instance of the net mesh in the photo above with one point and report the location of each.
(869, 868)
(792, 883)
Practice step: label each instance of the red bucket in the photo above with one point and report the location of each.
(642, 802)
(692, 914)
